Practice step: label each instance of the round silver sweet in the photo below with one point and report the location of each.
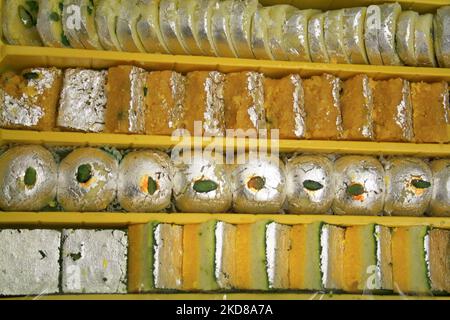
(96, 193)
(440, 199)
(135, 171)
(268, 198)
(364, 173)
(212, 171)
(403, 198)
(16, 193)
(302, 198)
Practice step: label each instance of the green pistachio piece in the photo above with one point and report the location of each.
(256, 183)
(205, 186)
(355, 189)
(312, 185)
(420, 184)
(30, 75)
(30, 177)
(151, 186)
(84, 173)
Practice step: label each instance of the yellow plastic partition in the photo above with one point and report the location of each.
(16, 57)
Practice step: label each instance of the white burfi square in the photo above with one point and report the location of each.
(29, 262)
(94, 261)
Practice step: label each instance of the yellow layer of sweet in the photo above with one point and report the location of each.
(242, 258)
(191, 257)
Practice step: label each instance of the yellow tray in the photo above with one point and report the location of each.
(16, 57)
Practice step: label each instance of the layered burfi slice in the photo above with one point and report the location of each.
(323, 107)
(410, 252)
(392, 113)
(442, 36)
(19, 18)
(125, 109)
(168, 263)
(285, 106)
(87, 180)
(29, 100)
(155, 257)
(357, 108)
(360, 186)
(259, 185)
(164, 99)
(438, 260)
(94, 261)
(305, 257)
(332, 257)
(367, 259)
(204, 103)
(440, 200)
(202, 184)
(408, 187)
(251, 259)
(30, 262)
(430, 103)
(83, 100)
(28, 176)
(49, 24)
(141, 257)
(244, 101)
(199, 253)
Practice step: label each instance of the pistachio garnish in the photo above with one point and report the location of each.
(84, 173)
(312, 185)
(256, 183)
(30, 177)
(355, 189)
(205, 186)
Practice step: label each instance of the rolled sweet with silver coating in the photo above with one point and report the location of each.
(360, 186)
(309, 184)
(259, 185)
(202, 184)
(145, 183)
(28, 176)
(408, 187)
(87, 180)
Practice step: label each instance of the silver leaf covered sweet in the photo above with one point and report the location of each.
(260, 41)
(386, 34)
(28, 176)
(440, 200)
(334, 36)
(148, 29)
(145, 183)
(126, 30)
(259, 185)
(309, 184)
(221, 30)
(241, 15)
(408, 187)
(353, 37)
(168, 12)
(442, 36)
(94, 261)
(83, 100)
(360, 187)
(202, 184)
(106, 15)
(87, 180)
(316, 39)
(406, 26)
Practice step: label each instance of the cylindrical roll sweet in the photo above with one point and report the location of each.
(408, 187)
(259, 185)
(260, 41)
(354, 20)
(170, 31)
(126, 25)
(106, 14)
(20, 28)
(371, 28)
(221, 29)
(145, 183)
(241, 16)
(386, 35)
(440, 200)
(186, 21)
(442, 36)
(79, 23)
(202, 184)
(28, 176)
(148, 28)
(202, 26)
(359, 186)
(49, 24)
(309, 185)
(334, 36)
(316, 39)
(406, 26)
(423, 41)
(87, 180)
(279, 14)
(295, 35)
